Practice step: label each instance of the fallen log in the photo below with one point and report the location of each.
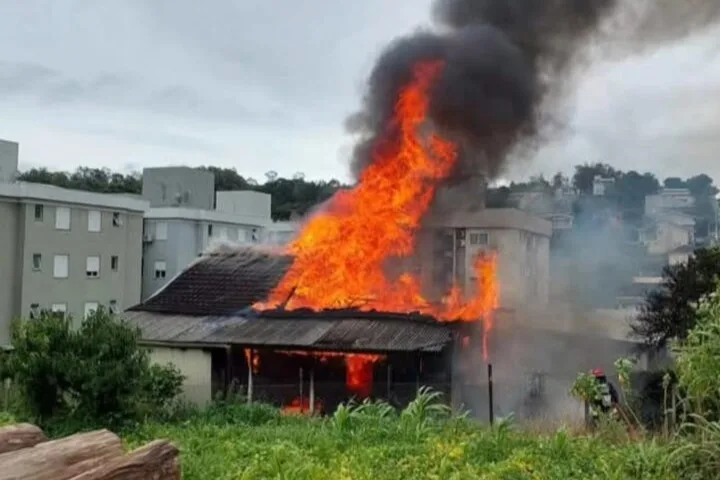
(157, 460)
(17, 437)
(61, 459)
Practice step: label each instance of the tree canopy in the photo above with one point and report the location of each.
(289, 196)
(669, 311)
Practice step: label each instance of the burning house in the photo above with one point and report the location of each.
(203, 321)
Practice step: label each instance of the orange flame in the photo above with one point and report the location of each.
(341, 254)
(253, 360)
(301, 406)
(358, 368)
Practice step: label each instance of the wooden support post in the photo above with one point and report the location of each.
(301, 390)
(250, 376)
(228, 370)
(491, 408)
(312, 391)
(389, 380)
(418, 369)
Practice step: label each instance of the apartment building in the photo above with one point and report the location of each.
(182, 222)
(520, 240)
(67, 251)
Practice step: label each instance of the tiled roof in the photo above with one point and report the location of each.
(220, 283)
(318, 332)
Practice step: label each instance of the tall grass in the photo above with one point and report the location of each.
(371, 440)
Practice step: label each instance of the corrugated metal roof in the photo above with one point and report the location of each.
(344, 334)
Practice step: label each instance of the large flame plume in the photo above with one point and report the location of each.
(341, 254)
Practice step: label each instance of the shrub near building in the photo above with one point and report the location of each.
(94, 375)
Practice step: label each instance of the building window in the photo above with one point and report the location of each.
(113, 307)
(160, 269)
(62, 218)
(34, 311)
(60, 266)
(59, 308)
(114, 263)
(161, 231)
(242, 235)
(94, 221)
(254, 235)
(210, 230)
(39, 211)
(117, 220)
(479, 239)
(223, 233)
(90, 308)
(92, 268)
(37, 261)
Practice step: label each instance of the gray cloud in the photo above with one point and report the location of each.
(261, 85)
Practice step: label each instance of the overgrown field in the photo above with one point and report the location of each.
(257, 443)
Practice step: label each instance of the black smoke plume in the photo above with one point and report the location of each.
(501, 58)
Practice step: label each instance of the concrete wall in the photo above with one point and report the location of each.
(523, 265)
(11, 235)
(41, 237)
(244, 202)
(668, 199)
(179, 186)
(669, 237)
(195, 364)
(8, 160)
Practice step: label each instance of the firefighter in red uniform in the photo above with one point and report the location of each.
(608, 398)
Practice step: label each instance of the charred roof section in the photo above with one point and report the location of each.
(209, 304)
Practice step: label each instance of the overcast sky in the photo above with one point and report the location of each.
(265, 85)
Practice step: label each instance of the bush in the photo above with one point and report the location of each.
(96, 374)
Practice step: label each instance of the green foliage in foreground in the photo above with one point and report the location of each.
(380, 446)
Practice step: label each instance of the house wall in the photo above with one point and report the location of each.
(669, 237)
(668, 199)
(195, 364)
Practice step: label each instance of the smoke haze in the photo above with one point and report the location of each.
(500, 59)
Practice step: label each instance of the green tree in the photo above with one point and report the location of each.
(97, 373)
(669, 312)
(674, 182)
(632, 188)
(585, 175)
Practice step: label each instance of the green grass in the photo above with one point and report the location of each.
(383, 446)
